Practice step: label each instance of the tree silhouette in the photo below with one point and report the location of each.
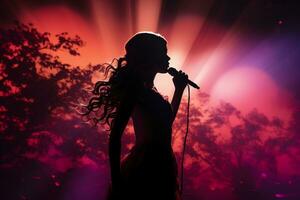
(38, 125)
(239, 151)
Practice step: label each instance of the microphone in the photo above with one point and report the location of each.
(173, 72)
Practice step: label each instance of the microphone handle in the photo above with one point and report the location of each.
(172, 71)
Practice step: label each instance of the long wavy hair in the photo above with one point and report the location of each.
(106, 95)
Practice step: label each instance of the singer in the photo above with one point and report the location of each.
(149, 171)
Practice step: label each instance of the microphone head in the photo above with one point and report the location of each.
(172, 71)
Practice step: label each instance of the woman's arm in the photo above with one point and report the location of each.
(180, 82)
(120, 122)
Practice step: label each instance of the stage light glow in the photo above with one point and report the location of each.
(248, 88)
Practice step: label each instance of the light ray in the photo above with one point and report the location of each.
(148, 12)
(107, 26)
(225, 54)
(183, 35)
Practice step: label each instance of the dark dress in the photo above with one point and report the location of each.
(149, 171)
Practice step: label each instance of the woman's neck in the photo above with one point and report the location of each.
(148, 79)
(147, 75)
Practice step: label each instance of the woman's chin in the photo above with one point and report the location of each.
(164, 69)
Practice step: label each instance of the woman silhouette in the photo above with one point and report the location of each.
(150, 170)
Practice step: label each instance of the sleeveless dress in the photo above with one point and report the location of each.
(149, 171)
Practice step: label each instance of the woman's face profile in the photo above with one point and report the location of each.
(161, 60)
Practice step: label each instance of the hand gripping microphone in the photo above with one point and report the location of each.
(173, 72)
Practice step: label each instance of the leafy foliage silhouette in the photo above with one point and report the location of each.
(38, 123)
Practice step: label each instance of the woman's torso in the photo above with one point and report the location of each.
(152, 119)
(151, 164)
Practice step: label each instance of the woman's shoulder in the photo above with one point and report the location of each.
(149, 95)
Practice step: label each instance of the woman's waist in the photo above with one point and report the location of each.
(154, 159)
(153, 129)
(154, 143)
(153, 147)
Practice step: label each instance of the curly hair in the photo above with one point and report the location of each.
(106, 95)
(141, 48)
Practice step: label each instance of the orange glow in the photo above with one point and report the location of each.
(66, 20)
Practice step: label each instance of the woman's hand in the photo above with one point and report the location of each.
(180, 80)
